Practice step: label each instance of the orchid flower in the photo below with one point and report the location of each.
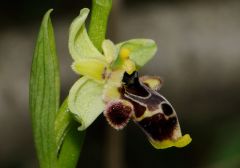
(109, 84)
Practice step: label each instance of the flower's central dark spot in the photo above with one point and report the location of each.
(158, 127)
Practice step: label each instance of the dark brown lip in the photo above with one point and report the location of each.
(158, 127)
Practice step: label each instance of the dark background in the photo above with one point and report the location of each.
(198, 58)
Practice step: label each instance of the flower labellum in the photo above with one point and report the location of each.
(110, 85)
(152, 112)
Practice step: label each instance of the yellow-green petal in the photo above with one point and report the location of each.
(109, 50)
(85, 101)
(92, 68)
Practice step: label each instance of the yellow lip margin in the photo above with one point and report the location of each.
(179, 143)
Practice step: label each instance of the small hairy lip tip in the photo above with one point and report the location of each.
(118, 114)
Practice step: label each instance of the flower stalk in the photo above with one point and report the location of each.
(98, 23)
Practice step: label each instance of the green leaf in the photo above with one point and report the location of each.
(85, 101)
(62, 122)
(80, 46)
(44, 94)
(71, 147)
(69, 140)
(141, 50)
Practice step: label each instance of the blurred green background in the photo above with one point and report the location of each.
(198, 58)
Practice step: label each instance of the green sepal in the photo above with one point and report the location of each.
(79, 44)
(85, 101)
(140, 51)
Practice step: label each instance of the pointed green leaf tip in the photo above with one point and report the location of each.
(44, 94)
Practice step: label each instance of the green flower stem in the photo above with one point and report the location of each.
(98, 23)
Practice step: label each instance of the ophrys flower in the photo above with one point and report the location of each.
(109, 83)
